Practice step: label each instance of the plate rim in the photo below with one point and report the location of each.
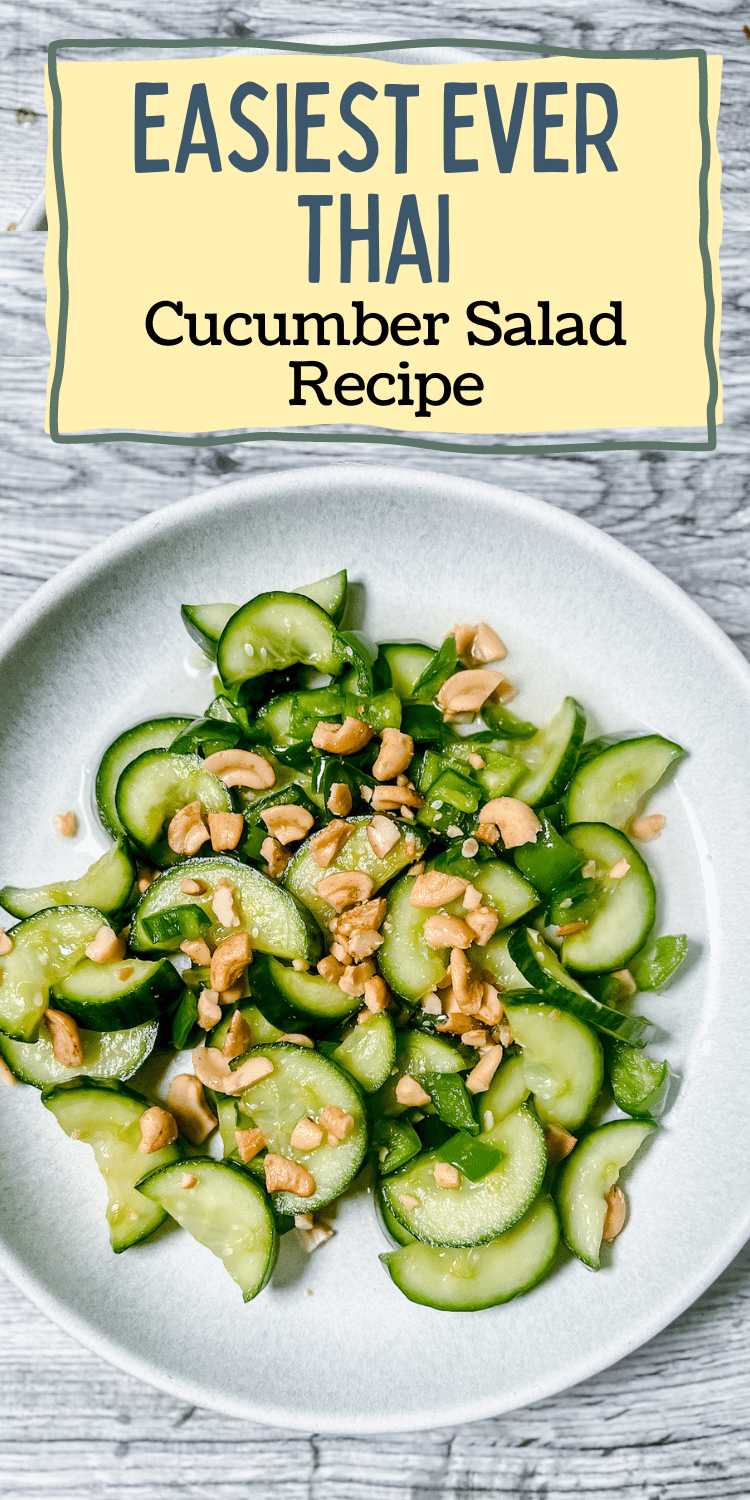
(246, 489)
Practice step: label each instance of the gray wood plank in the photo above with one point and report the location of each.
(673, 1419)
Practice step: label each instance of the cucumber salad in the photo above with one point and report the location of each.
(387, 924)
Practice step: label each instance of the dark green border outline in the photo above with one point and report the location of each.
(405, 440)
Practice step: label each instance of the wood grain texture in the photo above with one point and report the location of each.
(672, 1420)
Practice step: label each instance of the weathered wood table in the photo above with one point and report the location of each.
(674, 1418)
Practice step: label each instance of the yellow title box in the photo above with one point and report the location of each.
(240, 244)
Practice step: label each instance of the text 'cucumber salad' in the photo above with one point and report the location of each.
(392, 923)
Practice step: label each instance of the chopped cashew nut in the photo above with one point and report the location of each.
(146, 879)
(518, 824)
(307, 1135)
(249, 1143)
(478, 644)
(490, 1011)
(465, 692)
(187, 1180)
(482, 922)
(232, 995)
(106, 947)
(386, 798)
(488, 833)
(408, 1091)
(619, 869)
(345, 888)
(229, 960)
(211, 1068)
(190, 887)
(436, 889)
(471, 899)
(288, 823)
(342, 739)
(589, 870)
(355, 977)
(288, 1176)
(66, 824)
(225, 829)
(304, 1221)
(329, 968)
(447, 932)
(627, 983)
(431, 1004)
(6, 1076)
(209, 1010)
(614, 1218)
(187, 820)
(247, 1074)
(301, 965)
(445, 1175)
(477, 762)
(297, 1038)
(396, 751)
(376, 994)
(368, 915)
(339, 799)
(66, 1038)
(408, 1200)
(312, 1235)
(6, 943)
(475, 1038)
(336, 1122)
(364, 942)
(230, 764)
(238, 1037)
(222, 905)
(481, 1076)
(469, 848)
(382, 834)
(467, 983)
(158, 1129)
(275, 857)
(559, 1143)
(647, 828)
(326, 845)
(187, 1102)
(197, 951)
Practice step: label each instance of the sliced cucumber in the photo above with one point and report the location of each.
(153, 787)
(261, 1030)
(368, 1051)
(275, 631)
(107, 1117)
(304, 1083)
(225, 1210)
(620, 913)
(458, 1280)
(103, 997)
(406, 663)
(154, 734)
(495, 958)
(307, 993)
(563, 1061)
(550, 756)
(418, 1053)
(106, 1054)
(46, 948)
(639, 1083)
(544, 972)
(409, 964)
(587, 1176)
(303, 874)
(329, 593)
(107, 885)
(205, 622)
(474, 1212)
(612, 786)
(274, 919)
(507, 1091)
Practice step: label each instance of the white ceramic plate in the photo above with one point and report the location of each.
(332, 1346)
